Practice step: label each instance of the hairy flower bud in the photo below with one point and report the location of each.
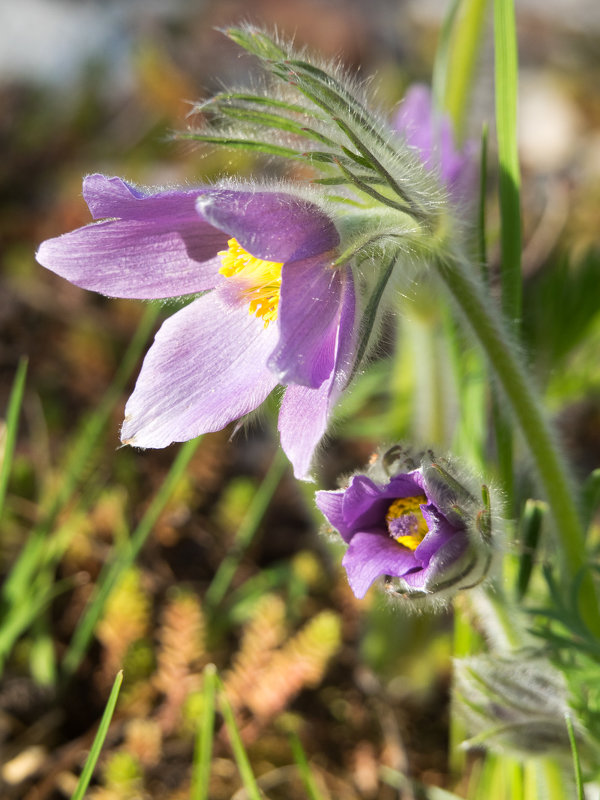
(417, 523)
(513, 705)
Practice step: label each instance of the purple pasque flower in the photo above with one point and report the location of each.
(431, 133)
(278, 310)
(419, 527)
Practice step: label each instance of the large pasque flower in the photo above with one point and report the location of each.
(278, 311)
(418, 527)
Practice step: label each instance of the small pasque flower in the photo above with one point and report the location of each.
(417, 525)
(279, 310)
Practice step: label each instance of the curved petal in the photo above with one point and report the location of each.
(207, 367)
(270, 225)
(440, 532)
(305, 412)
(308, 315)
(415, 121)
(330, 505)
(302, 423)
(155, 246)
(451, 560)
(432, 135)
(371, 555)
(366, 503)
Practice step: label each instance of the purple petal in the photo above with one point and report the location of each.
(415, 121)
(370, 555)
(309, 311)
(302, 423)
(207, 367)
(432, 135)
(446, 563)
(270, 225)
(440, 532)
(330, 504)
(156, 246)
(305, 412)
(366, 503)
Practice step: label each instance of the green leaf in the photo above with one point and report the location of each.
(368, 189)
(274, 121)
(341, 181)
(226, 98)
(370, 315)
(255, 41)
(251, 145)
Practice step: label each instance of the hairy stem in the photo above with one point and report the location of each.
(520, 393)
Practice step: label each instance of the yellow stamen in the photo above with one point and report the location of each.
(260, 280)
(414, 526)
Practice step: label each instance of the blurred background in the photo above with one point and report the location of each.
(99, 87)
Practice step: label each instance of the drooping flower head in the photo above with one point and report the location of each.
(418, 527)
(294, 276)
(278, 311)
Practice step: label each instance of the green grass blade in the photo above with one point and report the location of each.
(306, 776)
(591, 496)
(42, 655)
(18, 583)
(530, 532)
(481, 212)
(21, 616)
(12, 424)
(247, 530)
(506, 74)
(442, 55)
(92, 429)
(204, 739)
(237, 746)
(576, 761)
(461, 65)
(94, 754)
(124, 559)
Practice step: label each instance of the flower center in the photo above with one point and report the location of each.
(405, 521)
(260, 280)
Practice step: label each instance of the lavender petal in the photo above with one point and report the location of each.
(207, 367)
(273, 226)
(370, 555)
(154, 246)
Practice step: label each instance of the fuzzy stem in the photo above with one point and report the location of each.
(518, 389)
